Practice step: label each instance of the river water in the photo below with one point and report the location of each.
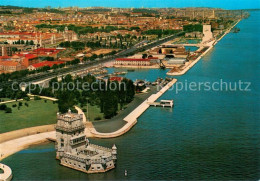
(208, 134)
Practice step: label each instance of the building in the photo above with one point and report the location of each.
(75, 151)
(134, 61)
(5, 58)
(116, 79)
(5, 50)
(195, 34)
(47, 52)
(9, 66)
(29, 59)
(44, 64)
(175, 61)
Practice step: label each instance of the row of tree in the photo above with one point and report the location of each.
(85, 29)
(193, 27)
(160, 32)
(108, 100)
(24, 42)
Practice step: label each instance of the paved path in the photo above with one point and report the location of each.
(131, 119)
(7, 175)
(211, 45)
(5, 102)
(10, 147)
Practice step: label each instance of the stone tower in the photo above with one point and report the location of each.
(75, 151)
(70, 133)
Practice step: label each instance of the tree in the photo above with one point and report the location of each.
(144, 56)
(3, 107)
(8, 110)
(110, 104)
(31, 42)
(66, 101)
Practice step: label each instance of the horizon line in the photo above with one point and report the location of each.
(57, 7)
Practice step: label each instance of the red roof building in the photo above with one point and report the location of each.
(117, 79)
(9, 66)
(44, 64)
(47, 52)
(28, 59)
(5, 58)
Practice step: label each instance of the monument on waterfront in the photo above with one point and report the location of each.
(75, 151)
(207, 34)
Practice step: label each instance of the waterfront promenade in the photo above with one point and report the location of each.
(131, 119)
(12, 144)
(211, 45)
(10, 147)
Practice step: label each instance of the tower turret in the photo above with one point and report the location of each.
(70, 133)
(114, 152)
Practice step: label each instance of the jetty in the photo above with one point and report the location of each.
(131, 118)
(162, 103)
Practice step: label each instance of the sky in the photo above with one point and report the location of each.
(225, 4)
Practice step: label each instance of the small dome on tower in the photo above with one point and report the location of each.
(114, 147)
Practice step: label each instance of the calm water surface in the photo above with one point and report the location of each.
(208, 135)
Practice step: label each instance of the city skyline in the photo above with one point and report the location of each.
(224, 4)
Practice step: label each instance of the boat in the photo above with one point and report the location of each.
(130, 70)
(120, 73)
(236, 30)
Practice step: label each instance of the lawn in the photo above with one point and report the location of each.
(94, 111)
(4, 99)
(36, 114)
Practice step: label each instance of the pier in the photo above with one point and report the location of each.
(131, 118)
(162, 103)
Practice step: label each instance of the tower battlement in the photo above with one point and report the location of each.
(75, 151)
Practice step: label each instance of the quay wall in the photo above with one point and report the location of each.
(18, 140)
(203, 54)
(131, 118)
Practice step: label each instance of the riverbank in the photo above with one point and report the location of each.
(209, 135)
(117, 121)
(131, 119)
(20, 139)
(190, 65)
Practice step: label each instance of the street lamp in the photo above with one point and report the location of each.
(87, 109)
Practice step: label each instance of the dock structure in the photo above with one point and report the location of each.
(162, 103)
(131, 118)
